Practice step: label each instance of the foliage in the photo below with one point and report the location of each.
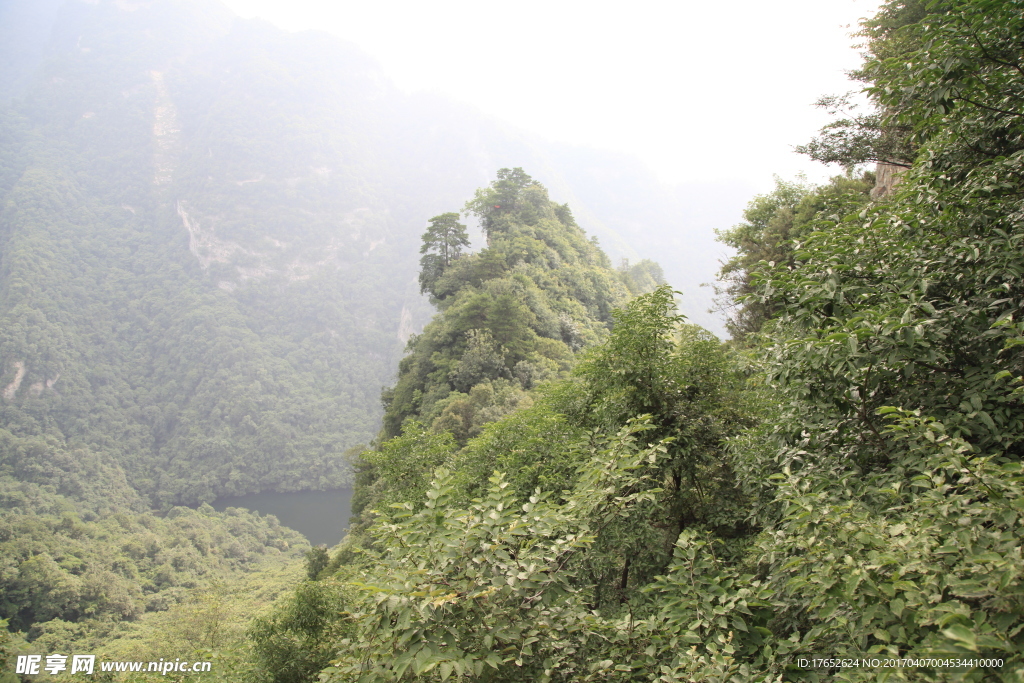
(894, 363)
(298, 638)
(505, 198)
(921, 557)
(961, 89)
(447, 237)
(877, 135)
(10, 647)
(772, 222)
(120, 566)
(876, 497)
(511, 316)
(859, 138)
(488, 587)
(317, 560)
(403, 466)
(542, 573)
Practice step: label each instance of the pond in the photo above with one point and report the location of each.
(321, 516)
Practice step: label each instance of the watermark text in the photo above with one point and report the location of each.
(40, 665)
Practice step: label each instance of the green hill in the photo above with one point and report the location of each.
(209, 241)
(835, 495)
(209, 236)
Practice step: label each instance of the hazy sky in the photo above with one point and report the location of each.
(718, 91)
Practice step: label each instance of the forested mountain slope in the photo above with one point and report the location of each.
(843, 481)
(212, 330)
(512, 318)
(209, 239)
(209, 235)
(514, 313)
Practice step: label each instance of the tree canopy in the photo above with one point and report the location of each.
(844, 477)
(443, 242)
(575, 486)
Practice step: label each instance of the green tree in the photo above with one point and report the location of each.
(317, 558)
(299, 637)
(860, 137)
(443, 242)
(956, 82)
(763, 236)
(505, 196)
(9, 650)
(773, 226)
(873, 133)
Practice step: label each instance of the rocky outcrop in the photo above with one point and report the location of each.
(19, 374)
(887, 176)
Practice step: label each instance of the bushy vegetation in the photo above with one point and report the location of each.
(123, 565)
(844, 479)
(510, 316)
(575, 486)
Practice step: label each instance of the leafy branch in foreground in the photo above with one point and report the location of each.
(491, 588)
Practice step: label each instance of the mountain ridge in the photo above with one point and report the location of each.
(236, 210)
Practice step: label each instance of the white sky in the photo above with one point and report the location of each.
(699, 90)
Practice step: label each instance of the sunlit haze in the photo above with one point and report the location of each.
(699, 91)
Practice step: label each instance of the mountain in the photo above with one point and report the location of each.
(209, 237)
(846, 475)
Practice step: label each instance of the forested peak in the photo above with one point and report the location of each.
(850, 482)
(526, 233)
(511, 315)
(514, 197)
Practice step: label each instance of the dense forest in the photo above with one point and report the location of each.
(208, 247)
(572, 482)
(844, 478)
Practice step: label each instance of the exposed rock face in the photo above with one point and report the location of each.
(298, 259)
(11, 389)
(887, 176)
(406, 328)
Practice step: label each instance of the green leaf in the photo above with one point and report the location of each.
(961, 634)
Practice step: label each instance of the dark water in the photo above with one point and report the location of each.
(322, 516)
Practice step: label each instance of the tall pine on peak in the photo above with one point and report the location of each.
(511, 315)
(443, 242)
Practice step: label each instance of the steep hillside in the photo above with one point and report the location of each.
(213, 328)
(511, 316)
(845, 478)
(209, 234)
(209, 240)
